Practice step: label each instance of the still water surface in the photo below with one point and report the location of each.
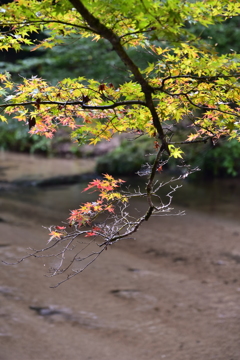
(218, 197)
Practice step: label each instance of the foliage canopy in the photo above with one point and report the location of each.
(185, 82)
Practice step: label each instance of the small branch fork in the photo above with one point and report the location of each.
(42, 21)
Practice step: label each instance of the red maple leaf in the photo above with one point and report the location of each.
(96, 228)
(96, 182)
(90, 233)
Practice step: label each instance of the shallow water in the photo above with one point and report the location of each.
(218, 197)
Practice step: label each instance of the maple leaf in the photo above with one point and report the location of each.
(108, 177)
(104, 195)
(77, 217)
(101, 87)
(56, 234)
(104, 185)
(107, 187)
(110, 209)
(94, 183)
(90, 233)
(96, 228)
(156, 145)
(121, 181)
(192, 137)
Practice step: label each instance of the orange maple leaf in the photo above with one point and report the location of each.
(55, 234)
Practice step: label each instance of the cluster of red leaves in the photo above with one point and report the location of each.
(108, 184)
(89, 210)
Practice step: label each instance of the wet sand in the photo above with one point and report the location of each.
(173, 293)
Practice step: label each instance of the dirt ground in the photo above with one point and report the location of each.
(173, 293)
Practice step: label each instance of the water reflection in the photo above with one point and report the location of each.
(219, 197)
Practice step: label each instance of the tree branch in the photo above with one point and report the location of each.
(186, 142)
(209, 108)
(81, 103)
(48, 22)
(193, 77)
(147, 29)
